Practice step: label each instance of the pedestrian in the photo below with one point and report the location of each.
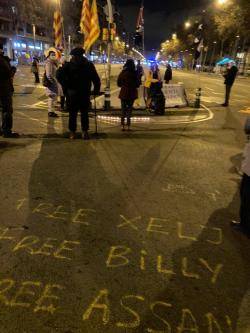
(153, 83)
(35, 69)
(76, 78)
(244, 224)
(61, 91)
(139, 71)
(129, 82)
(51, 86)
(230, 76)
(168, 74)
(6, 93)
(140, 74)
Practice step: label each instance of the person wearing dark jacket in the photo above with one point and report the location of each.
(129, 82)
(76, 78)
(6, 92)
(35, 69)
(229, 80)
(168, 74)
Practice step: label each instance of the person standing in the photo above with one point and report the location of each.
(52, 88)
(244, 224)
(76, 78)
(139, 71)
(153, 83)
(230, 76)
(140, 74)
(6, 93)
(35, 69)
(168, 74)
(129, 82)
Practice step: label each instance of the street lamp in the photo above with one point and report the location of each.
(187, 25)
(222, 2)
(174, 36)
(236, 46)
(213, 53)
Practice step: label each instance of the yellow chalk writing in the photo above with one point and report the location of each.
(129, 222)
(24, 291)
(117, 256)
(136, 322)
(155, 226)
(105, 307)
(48, 295)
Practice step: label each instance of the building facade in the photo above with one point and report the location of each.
(22, 38)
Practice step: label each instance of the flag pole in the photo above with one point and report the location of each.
(62, 22)
(107, 102)
(143, 32)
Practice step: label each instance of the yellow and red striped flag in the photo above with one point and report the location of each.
(58, 29)
(94, 25)
(85, 22)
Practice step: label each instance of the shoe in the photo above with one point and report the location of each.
(236, 225)
(224, 104)
(85, 136)
(72, 135)
(11, 135)
(52, 115)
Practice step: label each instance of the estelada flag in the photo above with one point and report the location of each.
(85, 22)
(94, 26)
(140, 19)
(58, 29)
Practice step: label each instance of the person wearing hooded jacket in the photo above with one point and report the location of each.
(76, 78)
(52, 87)
(129, 82)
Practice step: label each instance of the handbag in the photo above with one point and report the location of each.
(45, 81)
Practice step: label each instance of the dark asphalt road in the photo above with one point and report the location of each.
(127, 233)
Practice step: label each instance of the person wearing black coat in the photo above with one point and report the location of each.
(35, 69)
(229, 81)
(129, 82)
(168, 74)
(7, 73)
(76, 78)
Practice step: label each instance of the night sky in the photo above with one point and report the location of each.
(161, 16)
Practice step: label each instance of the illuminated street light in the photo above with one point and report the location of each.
(187, 25)
(222, 2)
(174, 36)
(117, 38)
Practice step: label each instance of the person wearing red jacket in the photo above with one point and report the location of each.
(129, 82)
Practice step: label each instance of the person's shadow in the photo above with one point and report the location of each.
(209, 286)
